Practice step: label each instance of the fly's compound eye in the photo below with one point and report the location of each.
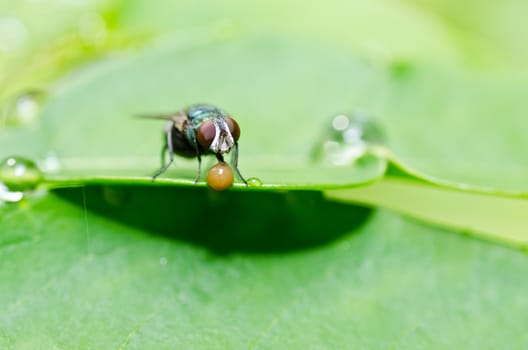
(206, 133)
(234, 129)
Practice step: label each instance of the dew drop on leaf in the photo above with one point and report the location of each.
(50, 164)
(22, 109)
(347, 138)
(6, 195)
(254, 182)
(19, 174)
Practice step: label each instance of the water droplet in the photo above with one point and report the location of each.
(50, 164)
(9, 196)
(347, 139)
(340, 122)
(19, 174)
(254, 182)
(220, 177)
(23, 109)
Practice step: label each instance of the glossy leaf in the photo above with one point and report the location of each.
(262, 271)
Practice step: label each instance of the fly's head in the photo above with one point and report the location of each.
(218, 134)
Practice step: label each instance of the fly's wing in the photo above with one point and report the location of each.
(179, 118)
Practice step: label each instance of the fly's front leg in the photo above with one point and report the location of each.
(199, 156)
(199, 171)
(167, 146)
(235, 164)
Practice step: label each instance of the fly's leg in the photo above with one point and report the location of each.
(199, 171)
(235, 164)
(168, 146)
(163, 153)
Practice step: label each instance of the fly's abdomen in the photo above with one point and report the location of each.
(181, 145)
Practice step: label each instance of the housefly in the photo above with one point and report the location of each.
(199, 130)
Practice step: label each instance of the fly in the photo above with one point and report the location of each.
(196, 131)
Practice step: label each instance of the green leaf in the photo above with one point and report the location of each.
(460, 142)
(461, 127)
(498, 218)
(196, 270)
(80, 121)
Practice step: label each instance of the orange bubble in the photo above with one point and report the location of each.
(220, 176)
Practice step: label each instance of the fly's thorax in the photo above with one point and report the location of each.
(200, 113)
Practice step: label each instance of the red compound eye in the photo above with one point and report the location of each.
(206, 133)
(233, 128)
